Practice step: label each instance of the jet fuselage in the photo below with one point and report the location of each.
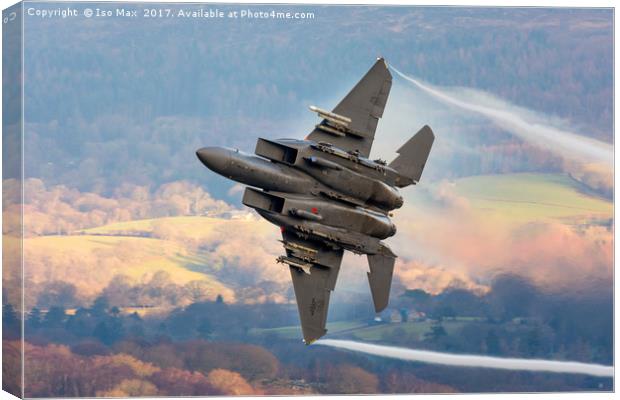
(308, 188)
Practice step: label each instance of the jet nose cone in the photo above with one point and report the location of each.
(214, 158)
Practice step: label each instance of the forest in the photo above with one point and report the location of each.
(138, 117)
(212, 347)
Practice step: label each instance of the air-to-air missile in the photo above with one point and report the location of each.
(327, 196)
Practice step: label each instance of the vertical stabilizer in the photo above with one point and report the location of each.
(412, 157)
(380, 279)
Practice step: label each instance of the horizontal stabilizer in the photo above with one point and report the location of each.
(380, 279)
(412, 157)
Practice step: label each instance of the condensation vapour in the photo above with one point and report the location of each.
(467, 360)
(559, 141)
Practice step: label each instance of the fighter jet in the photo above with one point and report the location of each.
(327, 196)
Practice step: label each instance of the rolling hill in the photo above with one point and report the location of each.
(234, 254)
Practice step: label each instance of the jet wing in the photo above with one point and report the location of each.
(314, 269)
(364, 106)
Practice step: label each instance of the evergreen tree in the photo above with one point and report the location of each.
(437, 332)
(34, 319)
(204, 329)
(10, 320)
(492, 342)
(100, 307)
(54, 317)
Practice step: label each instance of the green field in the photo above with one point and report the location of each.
(533, 196)
(294, 332)
(528, 197)
(364, 330)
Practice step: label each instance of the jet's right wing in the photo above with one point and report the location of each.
(362, 107)
(314, 269)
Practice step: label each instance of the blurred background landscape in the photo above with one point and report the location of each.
(145, 275)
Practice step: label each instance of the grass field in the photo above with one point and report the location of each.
(90, 261)
(362, 330)
(417, 328)
(524, 197)
(294, 332)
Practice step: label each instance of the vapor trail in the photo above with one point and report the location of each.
(560, 141)
(466, 360)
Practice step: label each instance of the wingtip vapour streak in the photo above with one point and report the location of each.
(567, 144)
(467, 360)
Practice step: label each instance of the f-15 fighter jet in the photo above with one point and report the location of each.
(327, 196)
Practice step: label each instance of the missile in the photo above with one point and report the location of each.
(294, 246)
(294, 263)
(321, 162)
(331, 130)
(337, 119)
(305, 214)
